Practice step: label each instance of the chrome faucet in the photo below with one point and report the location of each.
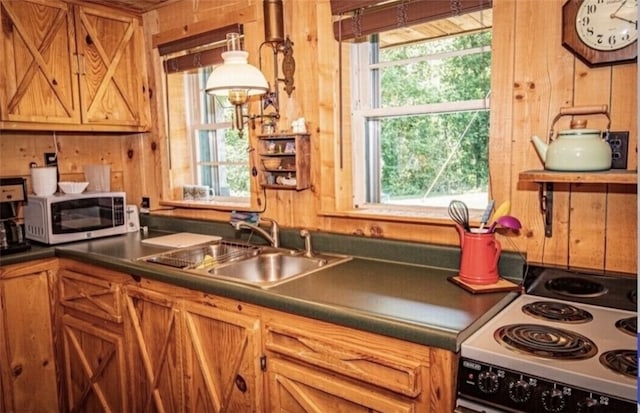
(273, 237)
(308, 252)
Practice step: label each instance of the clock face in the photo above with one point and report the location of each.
(607, 24)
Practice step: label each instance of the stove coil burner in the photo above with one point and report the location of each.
(545, 341)
(624, 362)
(576, 287)
(628, 325)
(556, 311)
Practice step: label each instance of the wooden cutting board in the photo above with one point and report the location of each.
(181, 240)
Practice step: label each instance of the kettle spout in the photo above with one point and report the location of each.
(541, 147)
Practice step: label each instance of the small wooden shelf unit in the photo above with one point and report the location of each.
(284, 161)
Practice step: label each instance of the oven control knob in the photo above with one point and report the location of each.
(553, 400)
(589, 405)
(488, 382)
(519, 390)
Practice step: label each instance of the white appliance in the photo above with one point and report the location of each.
(133, 218)
(567, 345)
(63, 218)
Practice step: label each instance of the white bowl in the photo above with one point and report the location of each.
(73, 187)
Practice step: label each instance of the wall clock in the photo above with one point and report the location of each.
(601, 32)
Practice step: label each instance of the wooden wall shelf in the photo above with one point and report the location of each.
(613, 176)
(546, 179)
(284, 161)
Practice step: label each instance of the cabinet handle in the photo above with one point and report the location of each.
(241, 384)
(79, 60)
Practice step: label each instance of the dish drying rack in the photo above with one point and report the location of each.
(204, 256)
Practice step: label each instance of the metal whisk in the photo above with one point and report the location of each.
(459, 213)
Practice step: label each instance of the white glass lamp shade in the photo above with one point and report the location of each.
(236, 76)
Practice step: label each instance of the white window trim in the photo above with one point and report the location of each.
(362, 110)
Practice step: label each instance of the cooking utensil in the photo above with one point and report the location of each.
(486, 214)
(506, 221)
(503, 209)
(459, 213)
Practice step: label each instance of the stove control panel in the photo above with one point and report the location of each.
(501, 388)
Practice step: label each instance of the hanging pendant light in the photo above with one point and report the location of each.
(236, 78)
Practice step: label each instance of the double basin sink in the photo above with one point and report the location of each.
(260, 266)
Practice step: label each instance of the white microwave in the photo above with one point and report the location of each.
(62, 218)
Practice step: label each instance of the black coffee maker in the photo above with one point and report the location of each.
(13, 193)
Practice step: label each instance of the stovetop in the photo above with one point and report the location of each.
(586, 373)
(556, 362)
(601, 290)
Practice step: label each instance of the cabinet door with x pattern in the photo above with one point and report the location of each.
(153, 325)
(38, 77)
(111, 59)
(93, 350)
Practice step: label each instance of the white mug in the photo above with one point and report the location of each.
(44, 180)
(197, 193)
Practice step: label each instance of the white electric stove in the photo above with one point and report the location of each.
(568, 344)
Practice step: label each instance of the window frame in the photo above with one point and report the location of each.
(362, 113)
(203, 51)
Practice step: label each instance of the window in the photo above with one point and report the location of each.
(420, 117)
(205, 150)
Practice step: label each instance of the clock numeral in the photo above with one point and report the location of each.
(612, 40)
(592, 9)
(585, 21)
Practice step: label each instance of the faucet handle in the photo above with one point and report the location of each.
(308, 251)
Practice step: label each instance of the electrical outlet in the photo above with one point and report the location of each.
(619, 142)
(145, 205)
(50, 159)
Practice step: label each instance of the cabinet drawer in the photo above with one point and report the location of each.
(368, 364)
(97, 297)
(294, 388)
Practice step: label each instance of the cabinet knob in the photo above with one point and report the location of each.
(241, 384)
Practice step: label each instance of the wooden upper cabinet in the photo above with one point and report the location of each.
(71, 68)
(39, 74)
(112, 86)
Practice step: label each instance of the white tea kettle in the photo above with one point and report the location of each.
(577, 149)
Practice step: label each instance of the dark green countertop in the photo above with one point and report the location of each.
(403, 300)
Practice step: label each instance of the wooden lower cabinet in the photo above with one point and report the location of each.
(222, 360)
(28, 373)
(189, 354)
(138, 345)
(299, 389)
(154, 332)
(93, 343)
(94, 367)
(315, 366)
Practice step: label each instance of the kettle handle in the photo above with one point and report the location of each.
(581, 110)
(584, 110)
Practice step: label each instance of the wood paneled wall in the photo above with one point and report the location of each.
(533, 76)
(122, 152)
(595, 226)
